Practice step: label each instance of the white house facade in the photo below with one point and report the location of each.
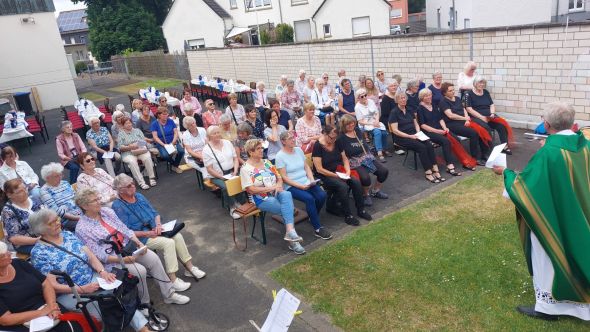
(194, 24)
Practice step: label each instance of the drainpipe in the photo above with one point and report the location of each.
(280, 11)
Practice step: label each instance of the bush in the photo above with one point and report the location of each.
(264, 37)
(284, 33)
(80, 66)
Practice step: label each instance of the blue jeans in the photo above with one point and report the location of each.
(379, 139)
(74, 169)
(165, 156)
(281, 204)
(314, 199)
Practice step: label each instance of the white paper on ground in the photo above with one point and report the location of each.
(167, 227)
(108, 155)
(497, 158)
(422, 136)
(169, 148)
(108, 285)
(281, 313)
(229, 176)
(42, 323)
(343, 176)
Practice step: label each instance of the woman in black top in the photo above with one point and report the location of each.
(327, 160)
(458, 121)
(403, 124)
(480, 106)
(412, 95)
(388, 101)
(351, 143)
(435, 89)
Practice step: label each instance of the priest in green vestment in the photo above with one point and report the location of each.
(552, 199)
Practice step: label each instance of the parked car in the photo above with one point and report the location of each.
(395, 30)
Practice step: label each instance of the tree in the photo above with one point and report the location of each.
(284, 33)
(416, 6)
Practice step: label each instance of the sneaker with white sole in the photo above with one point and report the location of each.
(297, 248)
(195, 272)
(180, 285)
(292, 236)
(176, 298)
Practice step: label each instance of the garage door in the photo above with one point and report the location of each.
(302, 31)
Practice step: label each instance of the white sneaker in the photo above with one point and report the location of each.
(176, 298)
(145, 312)
(196, 272)
(180, 285)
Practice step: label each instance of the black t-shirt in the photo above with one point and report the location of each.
(198, 120)
(429, 118)
(455, 107)
(479, 103)
(405, 121)
(413, 101)
(436, 95)
(330, 159)
(387, 105)
(24, 293)
(351, 146)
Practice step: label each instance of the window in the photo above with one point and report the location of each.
(64, 41)
(576, 5)
(257, 4)
(361, 26)
(298, 2)
(233, 4)
(195, 44)
(72, 40)
(327, 30)
(82, 39)
(395, 13)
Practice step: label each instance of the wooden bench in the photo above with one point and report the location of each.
(234, 187)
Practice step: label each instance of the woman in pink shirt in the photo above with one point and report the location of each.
(189, 99)
(69, 146)
(211, 115)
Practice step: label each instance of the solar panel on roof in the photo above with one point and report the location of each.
(72, 20)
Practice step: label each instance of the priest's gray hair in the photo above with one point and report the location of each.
(560, 115)
(38, 221)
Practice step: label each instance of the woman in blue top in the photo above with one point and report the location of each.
(164, 132)
(298, 179)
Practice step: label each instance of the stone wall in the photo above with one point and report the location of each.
(526, 66)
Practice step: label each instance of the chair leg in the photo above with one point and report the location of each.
(262, 228)
(415, 161)
(200, 181)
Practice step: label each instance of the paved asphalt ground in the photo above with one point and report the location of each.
(237, 288)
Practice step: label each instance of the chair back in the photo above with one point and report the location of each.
(234, 186)
(308, 160)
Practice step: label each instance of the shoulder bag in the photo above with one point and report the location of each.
(218, 163)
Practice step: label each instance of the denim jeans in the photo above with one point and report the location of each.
(74, 169)
(281, 204)
(314, 198)
(165, 156)
(379, 139)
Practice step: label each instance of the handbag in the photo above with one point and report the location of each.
(229, 171)
(367, 160)
(246, 208)
(177, 228)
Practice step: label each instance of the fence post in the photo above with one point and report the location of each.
(126, 68)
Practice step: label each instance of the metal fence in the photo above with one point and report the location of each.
(158, 64)
(103, 73)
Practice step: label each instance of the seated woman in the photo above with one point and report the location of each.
(480, 106)
(165, 135)
(12, 168)
(298, 180)
(291, 100)
(372, 92)
(83, 268)
(144, 122)
(15, 216)
(235, 110)
(58, 195)
(260, 98)
(329, 159)
(99, 223)
(137, 106)
(187, 98)
(228, 128)
(284, 117)
(459, 122)
(25, 294)
(211, 116)
(361, 160)
(96, 178)
(320, 98)
(264, 185)
(254, 122)
(308, 128)
(220, 159)
(100, 141)
(194, 140)
(404, 127)
(136, 212)
(432, 124)
(367, 115)
(189, 112)
(272, 132)
(412, 95)
(69, 146)
(133, 145)
(163, 102)
(244, 134)
(116, 126)
(346, 99)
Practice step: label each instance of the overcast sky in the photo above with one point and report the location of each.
(63, 5)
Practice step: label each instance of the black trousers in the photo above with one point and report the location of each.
(339, 190)
(458, 128)
(489, 126)
(381, 173)
(444, 144)
(424, 150)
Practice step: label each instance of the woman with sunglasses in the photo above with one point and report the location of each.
(367, 115)
(211, 116)
(96, 178)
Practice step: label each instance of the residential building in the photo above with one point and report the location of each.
(33, 54)
(399, 12)
(73, 28)
(493, 13)
(193, 24)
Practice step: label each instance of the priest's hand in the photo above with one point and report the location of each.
(498, 169)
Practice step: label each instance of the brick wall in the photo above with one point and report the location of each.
(526, 67)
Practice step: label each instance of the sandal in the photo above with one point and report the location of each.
(453, 172)
(153, 182)
(432, 179)
(437, 176)
(144, 186)
(470, 168)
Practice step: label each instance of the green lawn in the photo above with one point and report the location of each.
(131, 89)
(93, 96)
(450, 262)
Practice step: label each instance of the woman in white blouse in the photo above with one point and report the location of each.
(367, 115)
(465, 78)
(221, 161)
(194, 140)
(323, 103)
(13, 168)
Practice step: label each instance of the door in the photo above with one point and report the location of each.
(302, 30)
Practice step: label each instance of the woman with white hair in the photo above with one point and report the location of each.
(189, 112)
(221, 161)
(228, 128)
(117, 117)
(323, 103)
(281, 86)
(58, 195)
(69, 146)
(235, 110)
(412, 95)
(136, 104)
(367, 116)
(291, 100)
(308, 89)
(133, 145)
(194, 140)
(101, 142)
(301, 82)
(435, 87)
(261, 98)
(465, 78)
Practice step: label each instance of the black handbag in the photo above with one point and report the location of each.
(177, 228)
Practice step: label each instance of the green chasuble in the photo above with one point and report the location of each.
(552, 194)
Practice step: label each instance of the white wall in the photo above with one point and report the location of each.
(33, 55)
(192, 19)
(289, 13)
(339, 14)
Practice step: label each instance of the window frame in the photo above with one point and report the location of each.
(576, 8)
(233, 4)
(190, 47)
(352, 26)
(329, 33)
(255, 8)
(299, 2)
(401, 13)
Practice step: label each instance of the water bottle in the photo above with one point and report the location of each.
(13, 121)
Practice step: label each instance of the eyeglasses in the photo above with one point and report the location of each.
(325, 77)
(129, 186)
(89, 160)
(210, 104)
(379, 74)
(55, 221)
(161, 100)
(332, 137)
(362, 96)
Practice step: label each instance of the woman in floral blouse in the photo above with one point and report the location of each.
(95, 178)
(308, 128)
(58, 195)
